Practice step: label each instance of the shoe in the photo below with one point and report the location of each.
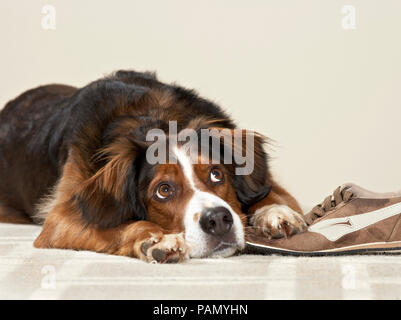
(351, 221)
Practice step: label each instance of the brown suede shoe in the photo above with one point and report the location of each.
(351, 221)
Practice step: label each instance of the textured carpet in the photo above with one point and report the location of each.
(29, 273)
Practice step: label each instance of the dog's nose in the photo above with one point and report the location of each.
(216, 221)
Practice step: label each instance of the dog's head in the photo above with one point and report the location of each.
(205, 199)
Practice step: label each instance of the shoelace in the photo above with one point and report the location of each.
(339, 195)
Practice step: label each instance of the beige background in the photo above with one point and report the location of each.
(329, 97)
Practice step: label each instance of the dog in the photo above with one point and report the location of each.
(75, 160)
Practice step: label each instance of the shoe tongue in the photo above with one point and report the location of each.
(355, 189)
(360, 192)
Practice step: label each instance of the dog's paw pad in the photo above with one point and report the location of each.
(159, 255)
(171, 248)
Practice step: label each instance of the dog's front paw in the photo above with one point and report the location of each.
(168, 248)
(277, 221)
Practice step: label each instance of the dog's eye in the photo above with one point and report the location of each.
(216, 175)
(164, 191)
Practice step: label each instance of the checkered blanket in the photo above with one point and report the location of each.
(29, 273)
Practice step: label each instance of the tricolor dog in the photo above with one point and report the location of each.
(77, 161)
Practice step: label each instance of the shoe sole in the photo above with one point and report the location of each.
(392, 248)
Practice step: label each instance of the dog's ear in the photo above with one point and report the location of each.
(250, 164)
(253, 186)
(110, 196)
(104, 153)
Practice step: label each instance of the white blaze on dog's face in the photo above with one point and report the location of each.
(199, 200)
(212, 227)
